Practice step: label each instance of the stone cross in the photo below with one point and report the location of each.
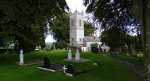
(21, 62)
(77, 56)
(69, 55)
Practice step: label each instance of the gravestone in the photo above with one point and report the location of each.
(46, 62)
(21, 62)
(77, 56)
(50, 67)
(69, 55)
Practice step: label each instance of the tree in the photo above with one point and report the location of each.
(114, 37)
(112, 13)
(119, 39)
(89, 29)
(146, 25)
(60, 29)
(115, 14)
(26, 19)
(142, 13)
(94, 48)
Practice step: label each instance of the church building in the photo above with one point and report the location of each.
(77, 38)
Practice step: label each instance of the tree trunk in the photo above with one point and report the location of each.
(146, 21)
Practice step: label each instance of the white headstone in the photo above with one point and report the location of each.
(77, 55)
(69, 55)
(21, 62)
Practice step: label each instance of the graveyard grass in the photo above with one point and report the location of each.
(110, 70)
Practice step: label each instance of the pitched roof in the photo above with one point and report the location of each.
(91, 39)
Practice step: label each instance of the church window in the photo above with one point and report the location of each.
(80, 39)
(72, 39)
(72, 22)
(80, 23)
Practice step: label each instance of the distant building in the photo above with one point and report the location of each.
(77, 38)
(88, 40)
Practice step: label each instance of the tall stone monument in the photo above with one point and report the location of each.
(77, 56)
(21, 60)
(69, 55)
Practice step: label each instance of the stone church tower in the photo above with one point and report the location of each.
(76, 29)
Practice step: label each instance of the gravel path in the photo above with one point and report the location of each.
(138, 69)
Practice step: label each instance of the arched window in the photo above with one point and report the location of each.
(80, 22)
(72, 22)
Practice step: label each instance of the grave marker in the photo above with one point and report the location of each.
(69, 55)
(21, 62)
(77, 56)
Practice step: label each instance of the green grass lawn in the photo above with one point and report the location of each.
(112, 70)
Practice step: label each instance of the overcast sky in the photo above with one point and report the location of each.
(76, 5)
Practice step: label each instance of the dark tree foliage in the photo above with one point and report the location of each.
(114, 37)
(89, 29)
(146, 22)
(112, 13)
(94, 48)
(26, 19)
(118, 39)
(60, 29)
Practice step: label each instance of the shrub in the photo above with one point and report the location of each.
(94, 48)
